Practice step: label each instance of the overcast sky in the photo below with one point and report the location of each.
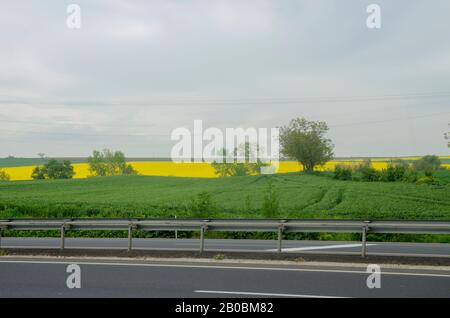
(136, 70)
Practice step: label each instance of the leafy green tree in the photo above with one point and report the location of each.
(38, 173)
(54, 169)
(305, 141)
(4, 176)
(428, 163)
(245, 161)
(109, 163)
(222, 168)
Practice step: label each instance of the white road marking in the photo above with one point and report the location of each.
(311, 248)
(262, 294)
(221, 267)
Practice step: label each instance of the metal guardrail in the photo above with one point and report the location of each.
(229, 225)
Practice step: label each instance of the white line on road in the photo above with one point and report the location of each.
(262, 294)
(311, 248)
(81, 262)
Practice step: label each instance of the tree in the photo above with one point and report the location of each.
(245, 161)
(428, 163)
(54, 170)
(222, 168)
(4, 176)
(109, 163)
(305, 142)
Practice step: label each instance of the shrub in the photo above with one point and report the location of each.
(342, 173)
(240, 169)
(4, 176)
(224, 169)
(202, 205)
(427, 180)
(369, 173)
(271, 203)
(398, 171)
(393, 173)
(428, 174)
(410, 175)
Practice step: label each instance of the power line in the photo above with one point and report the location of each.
(328, 114)
(161, 135)
(391, 120)
(240, 101)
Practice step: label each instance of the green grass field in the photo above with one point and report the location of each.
(301, 196)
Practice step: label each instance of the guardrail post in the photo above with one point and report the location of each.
(176, 231)
(1, 235)
(202, 239)
(280, 238)
(130, 237)
(63, 234)
(363, 241)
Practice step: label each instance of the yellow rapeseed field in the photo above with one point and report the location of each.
(168, 168)
(198, 170)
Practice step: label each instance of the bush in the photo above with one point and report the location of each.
(202, 205)
(427, 180)
(398, 171)
(271, 203)
(4, 176)
(393, 173)
(369, 173)
(224, 169)
(410, 175)
(343, 173)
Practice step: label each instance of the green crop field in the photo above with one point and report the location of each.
(21, 162)
(300, 196)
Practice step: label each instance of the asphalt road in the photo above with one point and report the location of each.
(374, 248)
(47, 277)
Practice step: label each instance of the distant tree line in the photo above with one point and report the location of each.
(420, 171)
(54, 169)
(243, 161)
(109, 163)
(302, 140)
(101, 163)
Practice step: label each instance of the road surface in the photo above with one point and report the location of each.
(46, 277)
(374, 248)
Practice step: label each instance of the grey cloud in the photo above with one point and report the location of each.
(138, 69)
